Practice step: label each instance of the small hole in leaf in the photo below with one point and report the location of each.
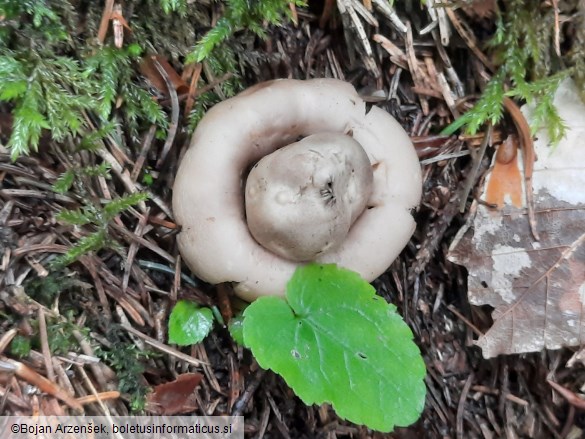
(295, 354)
(362, 355)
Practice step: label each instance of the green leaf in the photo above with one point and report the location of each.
(147, 178)
(236, 328)
(189, 324)
(336, 342)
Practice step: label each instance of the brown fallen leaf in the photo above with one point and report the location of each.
(149, 70)
(175, 397)
(537, 289)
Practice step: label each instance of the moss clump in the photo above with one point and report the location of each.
(529, 69)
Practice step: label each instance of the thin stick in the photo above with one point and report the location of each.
(176, 280)
(389, 12)
(163, 348)
(528, 158)
(242, 402)
(133, 250)
(294, 14)
(465, 320)
(193, 88)
(470, 181)
(146, 144)
(131, 237)
(103, 396)
(105, 22)
(7, 338)
(557, 40)
(461, 406)
(45, 345)
(95, 393)
(173, 126)
(34, 378)
(469, 38)
(327, 12)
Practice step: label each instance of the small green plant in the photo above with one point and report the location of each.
(46, 289)
(50, 91)
(243, 14)
(41, 19)
(97, 216)
(61, 337)
(41, 88)
(222, 54)
(20, 346)
(522, 45)
(189, 324)
(236, 328)
(110, 72)
(335, 341)
(128, 362)
(60, 332)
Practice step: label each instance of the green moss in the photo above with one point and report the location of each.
(60, 334)
(99, 218)
(528, 70)
(243, 14)
(20, 346)
(129, 364)
(54, 84)
(46, 289)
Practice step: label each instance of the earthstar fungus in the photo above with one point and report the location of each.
(342, 194)
(302, 199)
